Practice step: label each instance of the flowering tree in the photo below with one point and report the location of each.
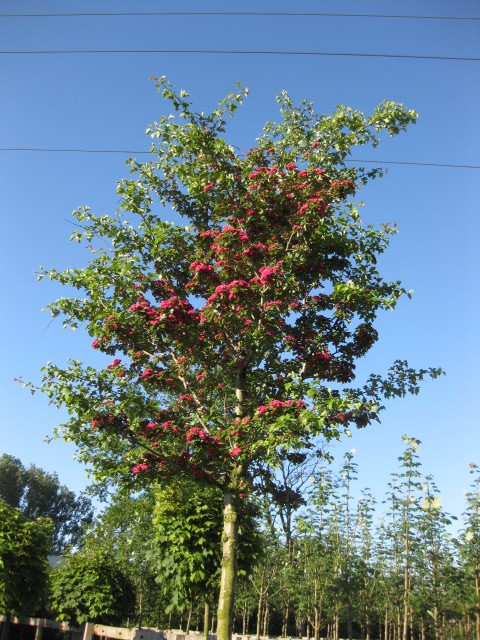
(234, 339)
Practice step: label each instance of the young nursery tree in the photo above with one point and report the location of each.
(91, 586)
(24, 546)
(470, 539)
(234, 331)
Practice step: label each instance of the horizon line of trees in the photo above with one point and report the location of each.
(320, 559)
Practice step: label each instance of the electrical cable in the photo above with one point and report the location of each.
(132, 152)
(236, 52)
(234, 13)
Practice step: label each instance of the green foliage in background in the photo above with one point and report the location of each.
(24, 545)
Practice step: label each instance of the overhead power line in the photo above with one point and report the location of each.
(293, 14)
(236, 52)
(418, 164)
(133, 152)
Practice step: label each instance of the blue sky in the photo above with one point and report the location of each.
(106, 101)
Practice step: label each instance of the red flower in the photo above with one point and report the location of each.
(140, 467)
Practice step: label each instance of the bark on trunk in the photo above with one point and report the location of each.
(244, 619)
(261, 594)
(316, 612)
(406, 595)
(265, 621)
(436, 623)
(477, 589)
(140, 607)
(316, 623)
(189, 618)
(468, 627)
(206, 620)
(298, 624)
(228, 572)
(285, 621)
(214, 623)
(350, 621)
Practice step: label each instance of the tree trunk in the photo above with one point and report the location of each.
(298, 624)
(140, 606)
(189, 618)
(206, 620)
(265, 621)
(316, 612)
(259, 613)
(477, 590)
(316, 623)
(260, 606)
(214, 623)
(229, 567)
(468, 627)
(285, 621)
(406, 594)
(349, 620)
(436, 623)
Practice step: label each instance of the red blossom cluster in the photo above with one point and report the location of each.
(143, 466)
(274, 405)
(244, 274)
(173, 311)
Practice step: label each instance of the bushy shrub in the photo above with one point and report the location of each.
(90, 586)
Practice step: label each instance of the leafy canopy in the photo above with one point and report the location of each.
(236, 329)
(24, 545)
(91, 586)
(186, 549)
(39, 494)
